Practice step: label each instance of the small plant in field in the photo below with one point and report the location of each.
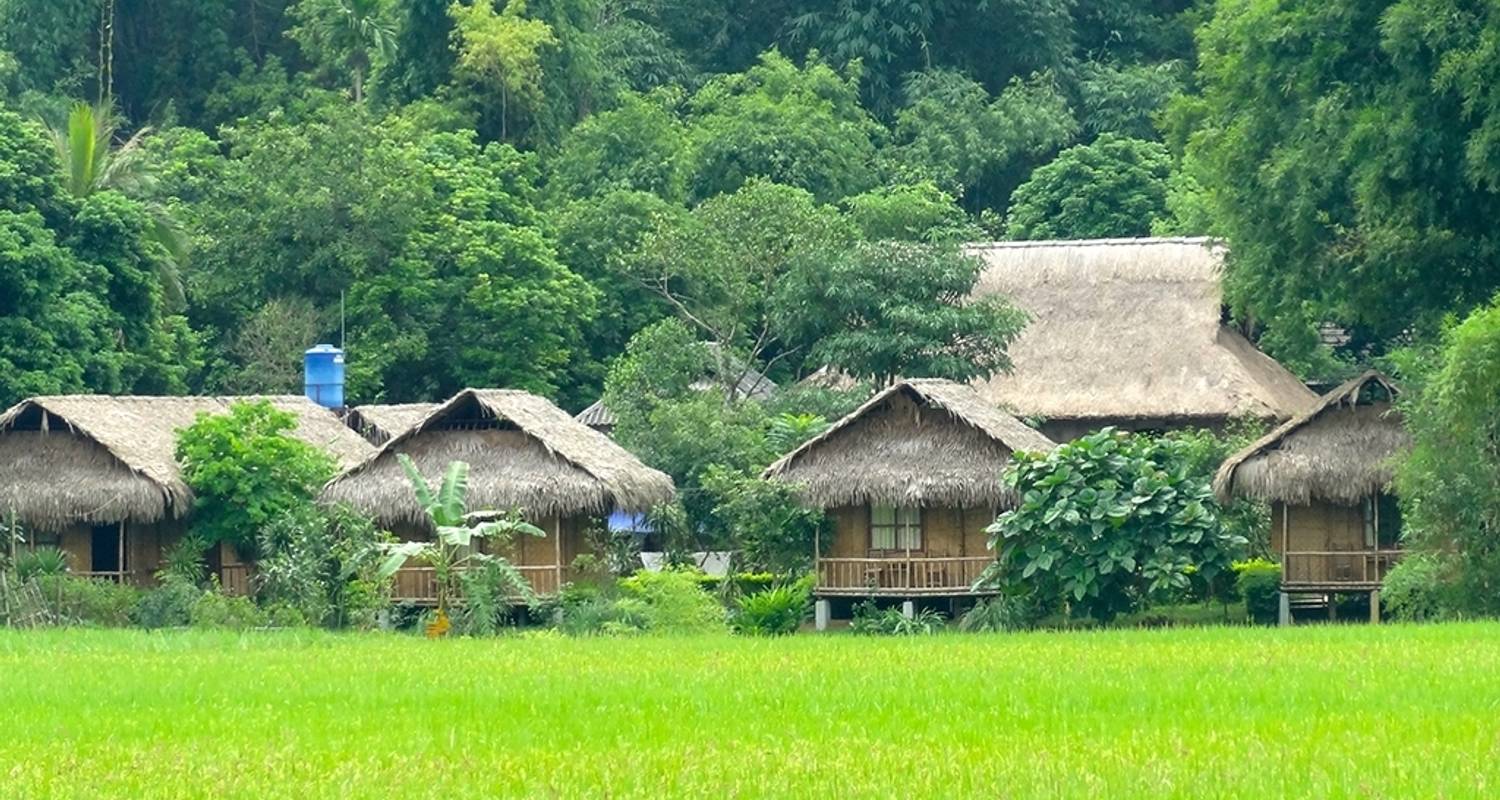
(184, 561)
(1415, 590)
(1001, 613)
(452, 551)
(676, 601)
(777, 611)
(871, 620)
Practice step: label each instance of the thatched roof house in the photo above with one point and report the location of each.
(1339, 451)
(378, 423)
(1128, 332)
(523, 452)
(93, 459)
(921, 442)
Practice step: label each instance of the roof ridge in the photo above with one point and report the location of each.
(1111, 242)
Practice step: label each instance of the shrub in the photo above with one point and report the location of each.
(215, 610)
(1002, 613)
(169, 605)
(1108, 523)
(1259, 582)
(185, 562)
(677, 603)
(770, 528)
(87, 601)
(40, 563)
(1415, 590)
(775, 612)
(323, 563)
(871, 620)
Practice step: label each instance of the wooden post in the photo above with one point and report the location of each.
(120, 553)
(557, 549)
(1284, 613)
(817, 554)
(1375, 606)
(821, 614)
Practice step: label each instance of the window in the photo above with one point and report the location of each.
(893, 528)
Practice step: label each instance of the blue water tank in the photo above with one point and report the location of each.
(323, 376)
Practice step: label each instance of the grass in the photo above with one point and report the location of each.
(1326, 711)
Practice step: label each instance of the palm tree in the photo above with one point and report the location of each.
(92, 161)
(360, 30)
(452, 552)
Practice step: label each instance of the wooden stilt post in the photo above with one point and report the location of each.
(1375, 606)
(557, 550)
(120, 553)
(821, 614)
(1284, 614)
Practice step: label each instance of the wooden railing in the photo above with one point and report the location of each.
(114, 576)
(419, 584)
(900, 576)
(1335, 568)
(234, 579)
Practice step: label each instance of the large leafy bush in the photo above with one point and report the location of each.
(1108, 523)
(246, 469)
(776, 611)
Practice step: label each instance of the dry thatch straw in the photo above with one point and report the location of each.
(378, 423)
(1128, 329)
(523, 452)
(920, 442)
(92, 459)
(1340, 451)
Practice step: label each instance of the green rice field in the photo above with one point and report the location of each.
(1319, 711)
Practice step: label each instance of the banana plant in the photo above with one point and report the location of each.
(452, 551)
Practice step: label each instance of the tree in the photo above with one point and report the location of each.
(245, 470)
(502, 51)
(1349, 154)
(452, 553)
(919, 212)
(1107, 523)
(951, 132)
(350, 33)
(636, 146)
(1114, 187)
(1450, 482)
(725, 268)
(92, 162)
(797, 127)
(883, 310)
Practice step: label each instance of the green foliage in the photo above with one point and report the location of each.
(871, 620)
(779, 611)
(1113, 187)
(169, 605)
(501, 50)
(453, 551)
(322, 562)
(797, 127)
(636, 146)
(788, 431)
(675, 602)
(214, 610)
(1259, 582)
(1107, 523)
(40, 562)
(344, 35)
(771, 530)
(88, 601)
(1449, 484)
(918, 212)
(882, 310)
(246, 470)
(1419, 589)
(1002, 614)
(952, 132)
(185, 561)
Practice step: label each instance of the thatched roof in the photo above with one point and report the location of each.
(1128, 329)
(1339, 451)
(94, 459)
(523, 452)
(921, 442)
(378, 423)
(597, 416)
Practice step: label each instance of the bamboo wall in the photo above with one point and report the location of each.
(946, 532)
(1317, 527)
(144, 545)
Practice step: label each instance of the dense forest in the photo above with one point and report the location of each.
(503, 193)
